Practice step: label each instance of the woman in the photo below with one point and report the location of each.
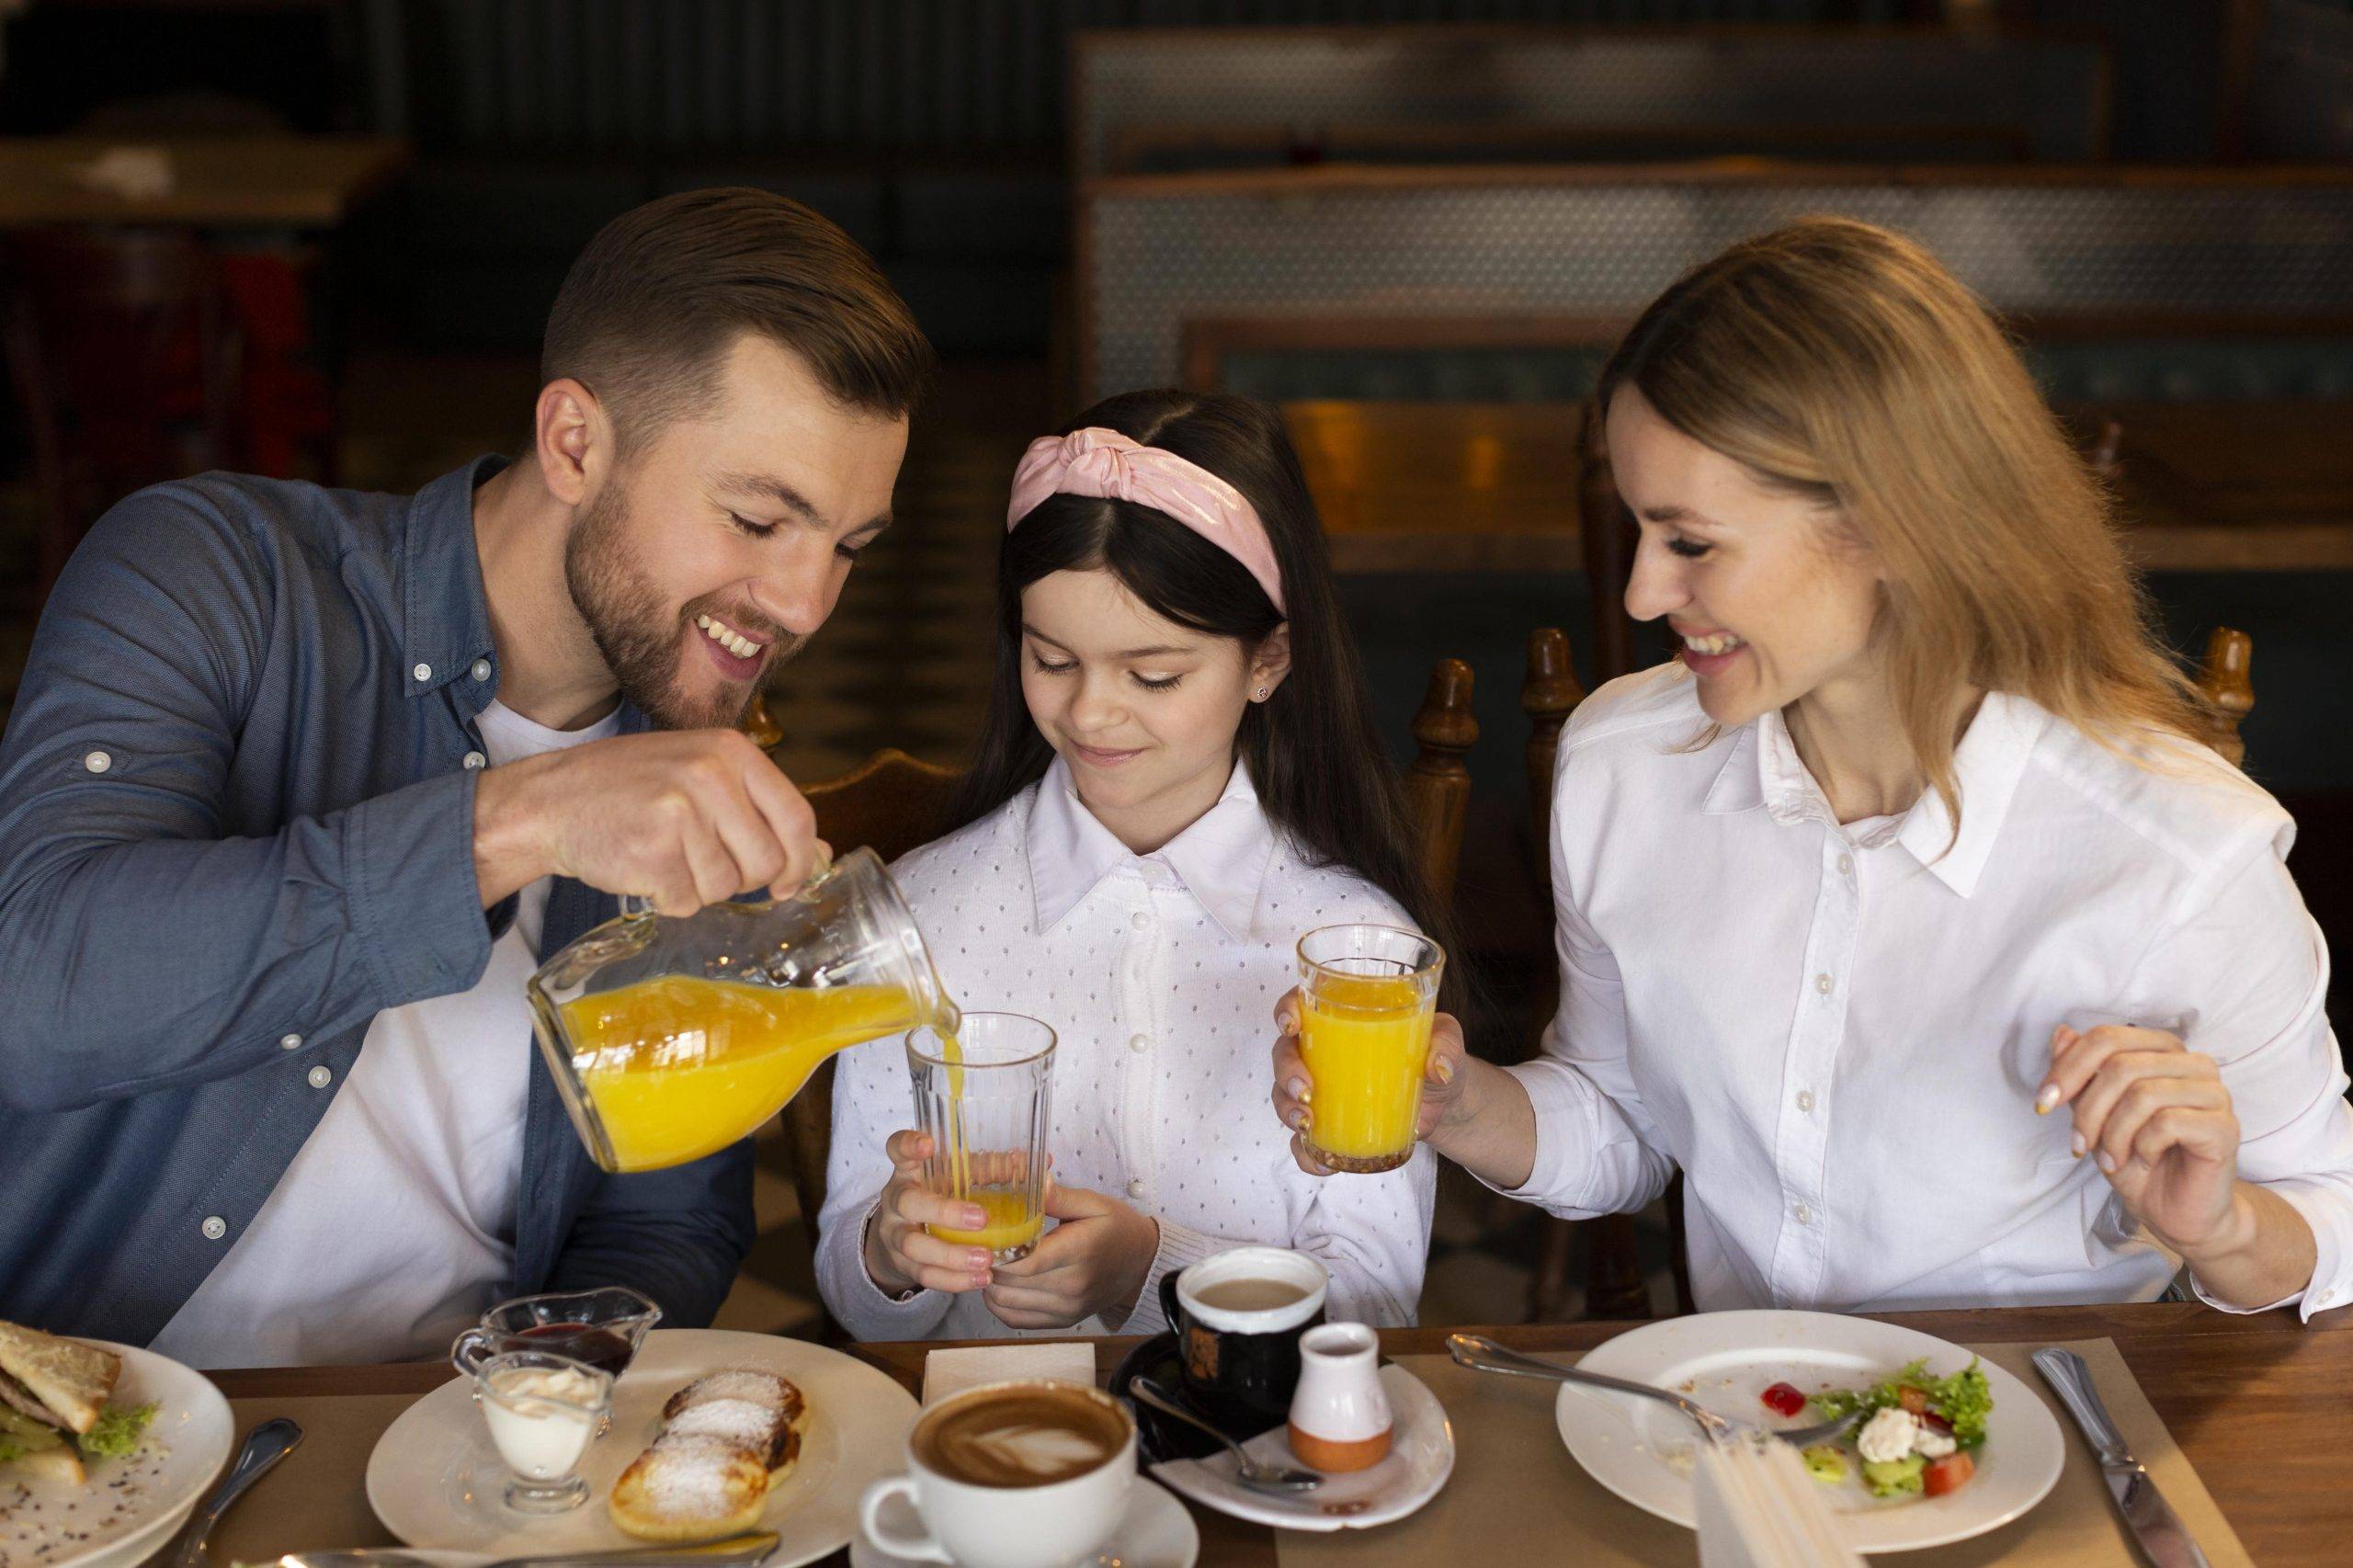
(1914, 842)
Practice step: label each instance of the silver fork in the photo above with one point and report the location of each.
(1481, 1353)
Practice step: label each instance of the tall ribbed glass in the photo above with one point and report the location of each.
(984, 1094)
(1368, 995)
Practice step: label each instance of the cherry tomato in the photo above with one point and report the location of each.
(1949, 1473)
(1783, 1399)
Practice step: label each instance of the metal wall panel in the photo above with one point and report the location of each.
(1160, 255)
(2052, 94)
(646, 76)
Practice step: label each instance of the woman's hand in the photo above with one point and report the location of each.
(1091, 1265)
(1294, 1094)
(900, 1255)
(2157, 1120)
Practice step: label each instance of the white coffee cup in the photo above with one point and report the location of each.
(1005, 1526)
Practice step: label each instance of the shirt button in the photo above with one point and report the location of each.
(1140, 920)
(290, 1042)
(480, 670)
(475, 759)
(1846, 864)
(1802, 1215)
(97, 762)
(1805, 1100)
(215, 1227)
(321, 1076)
(422, 672)
(1135, 1189)
(1822, 983)
(1139, 1043)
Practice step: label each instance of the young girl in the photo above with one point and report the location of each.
(1177, 781)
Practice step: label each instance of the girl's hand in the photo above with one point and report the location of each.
(1442, 1080)
(2156, 1118)
(1091, 1265)
(900, 1255)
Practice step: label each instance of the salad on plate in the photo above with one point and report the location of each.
(1916, 1435)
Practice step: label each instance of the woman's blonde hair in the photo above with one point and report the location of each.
(1840, 362)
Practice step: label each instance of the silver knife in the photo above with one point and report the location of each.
(2158, 1529)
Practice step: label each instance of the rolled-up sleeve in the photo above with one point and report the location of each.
(1597, 1150)
(2249, 959)
(147, 944)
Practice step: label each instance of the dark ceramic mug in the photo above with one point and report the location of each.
(1240, 1362)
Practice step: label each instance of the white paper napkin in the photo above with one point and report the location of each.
(953, 1371)
(1758, 1508)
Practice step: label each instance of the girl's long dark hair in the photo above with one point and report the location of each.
(1322, 774)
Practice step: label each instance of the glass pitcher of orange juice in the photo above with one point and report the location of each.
(670, 1039)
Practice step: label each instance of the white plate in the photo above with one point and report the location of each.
(436, 1481)
(1642, 1450)
(1155, 1532)
(186, 1444)
(1421, 1456)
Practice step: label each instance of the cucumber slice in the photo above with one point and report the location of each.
(1888, 1477)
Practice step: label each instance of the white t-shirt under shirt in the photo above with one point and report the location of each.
(394, 1226)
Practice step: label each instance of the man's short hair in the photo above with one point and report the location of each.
(660, 294)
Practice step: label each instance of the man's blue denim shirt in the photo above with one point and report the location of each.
(236, 825)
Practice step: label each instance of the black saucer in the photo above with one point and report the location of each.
(1158, 1438)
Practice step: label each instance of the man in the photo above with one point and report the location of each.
(301, 782)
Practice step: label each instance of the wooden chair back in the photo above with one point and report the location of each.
(2222, 677)
(1437, 783)
(892, 803)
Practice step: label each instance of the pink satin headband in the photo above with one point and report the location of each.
(1105, 463)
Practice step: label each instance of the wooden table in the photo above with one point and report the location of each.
(241, 182)
(2240, 486)
(2262, 1405)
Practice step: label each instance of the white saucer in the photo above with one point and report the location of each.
(1156, 1533)
(1421, 1456)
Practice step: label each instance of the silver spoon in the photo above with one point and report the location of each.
(1483, 1354)
(735, 1552)
(1259, 1477)
(267, 1443)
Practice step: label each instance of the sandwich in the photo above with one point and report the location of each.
(55, 1406)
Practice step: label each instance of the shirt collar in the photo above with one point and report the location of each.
(1222, 858)
(1763, 768)
(445, 617)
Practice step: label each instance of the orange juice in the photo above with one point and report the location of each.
(678, 1067)
(1366, 1039)
(1011, 1221)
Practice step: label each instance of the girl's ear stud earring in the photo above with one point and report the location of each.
(1262, 694)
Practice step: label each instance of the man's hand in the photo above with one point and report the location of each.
(681, 818)
(1093, 1264)
(900, 1253)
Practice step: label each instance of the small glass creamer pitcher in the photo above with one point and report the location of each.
(670, 1039)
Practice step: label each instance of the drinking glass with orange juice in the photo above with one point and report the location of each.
(670, 1039)
(1368, 995)
(985, 1096)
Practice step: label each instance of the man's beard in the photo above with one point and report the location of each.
(622, 609)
